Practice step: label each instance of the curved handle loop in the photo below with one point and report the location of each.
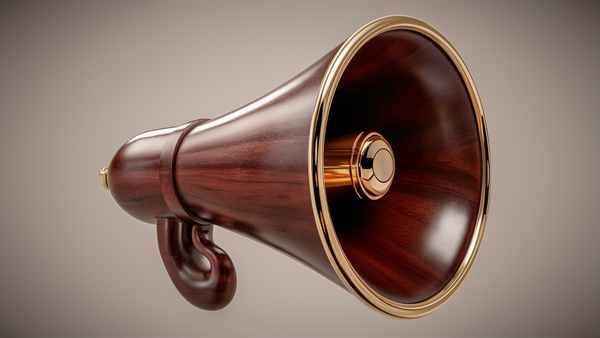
(183, 248)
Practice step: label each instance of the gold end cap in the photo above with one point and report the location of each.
(103, 177)
(375, 166)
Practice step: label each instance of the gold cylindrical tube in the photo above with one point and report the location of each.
(340, 176)
(361, 164)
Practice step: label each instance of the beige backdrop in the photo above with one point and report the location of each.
(78, 79)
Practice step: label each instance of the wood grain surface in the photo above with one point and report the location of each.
(247, 171)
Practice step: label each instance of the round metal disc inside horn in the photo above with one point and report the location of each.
(375, 168)
(359, 164)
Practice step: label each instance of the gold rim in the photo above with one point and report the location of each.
(332, 246)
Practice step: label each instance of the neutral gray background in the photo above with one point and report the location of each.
(77, 80)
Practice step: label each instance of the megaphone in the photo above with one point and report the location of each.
(371, 167)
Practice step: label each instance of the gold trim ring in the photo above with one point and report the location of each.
(332, 246)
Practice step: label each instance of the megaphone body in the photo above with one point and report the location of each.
(371, 167)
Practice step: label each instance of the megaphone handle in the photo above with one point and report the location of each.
(182, 248)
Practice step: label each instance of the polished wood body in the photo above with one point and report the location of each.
(247, 171)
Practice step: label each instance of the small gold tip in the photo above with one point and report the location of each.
(103, 176)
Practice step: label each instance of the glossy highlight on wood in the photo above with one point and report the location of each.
(253, 171)
(245, 171)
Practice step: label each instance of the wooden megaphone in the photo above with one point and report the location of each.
(371, 167)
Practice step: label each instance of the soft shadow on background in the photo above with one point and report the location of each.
(78, 79)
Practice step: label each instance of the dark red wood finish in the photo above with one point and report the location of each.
(167, 174)
(247, 171)
(183, 248)
(409, 244)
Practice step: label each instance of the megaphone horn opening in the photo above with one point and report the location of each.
(406, 253)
